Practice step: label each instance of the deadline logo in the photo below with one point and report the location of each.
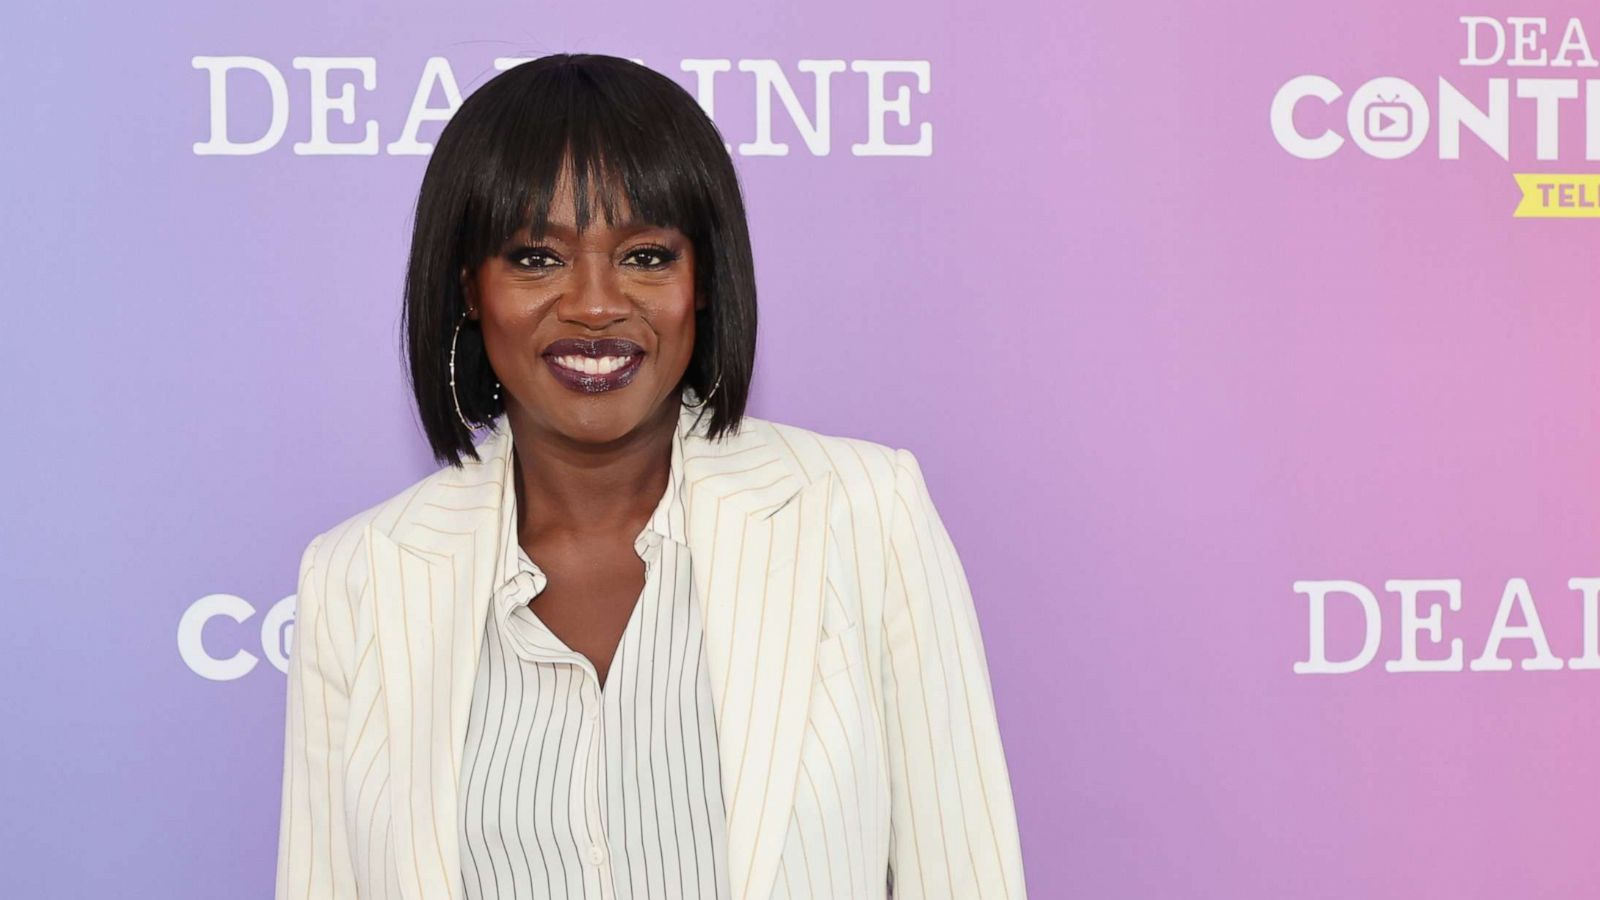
(1422, 627)
(1390, 118)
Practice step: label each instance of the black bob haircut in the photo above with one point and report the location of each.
(493, 172)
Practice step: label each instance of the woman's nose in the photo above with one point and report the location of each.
(596, 297)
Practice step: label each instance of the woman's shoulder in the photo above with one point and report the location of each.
(339, 551)
(856, 463)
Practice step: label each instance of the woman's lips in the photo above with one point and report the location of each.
(562, 355)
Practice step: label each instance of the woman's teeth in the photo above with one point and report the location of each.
(592, 366)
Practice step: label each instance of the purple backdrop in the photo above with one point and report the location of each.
(1167, 376)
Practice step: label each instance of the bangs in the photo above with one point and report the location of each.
(564, 125)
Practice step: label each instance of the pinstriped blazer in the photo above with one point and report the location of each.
(860, 753)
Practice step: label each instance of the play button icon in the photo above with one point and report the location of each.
(1388, 121)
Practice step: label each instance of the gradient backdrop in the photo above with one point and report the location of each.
(1157, 370)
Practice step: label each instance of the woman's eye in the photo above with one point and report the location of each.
(520, 257)
(536, 258)
(658, 257)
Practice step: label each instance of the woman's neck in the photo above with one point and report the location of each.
(567, 488)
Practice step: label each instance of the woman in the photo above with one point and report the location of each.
(634, 643)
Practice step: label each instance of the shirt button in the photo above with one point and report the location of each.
(596, 855)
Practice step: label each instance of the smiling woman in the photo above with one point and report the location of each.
(633, 642)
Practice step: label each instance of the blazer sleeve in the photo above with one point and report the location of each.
(953, 829)
(313, 855)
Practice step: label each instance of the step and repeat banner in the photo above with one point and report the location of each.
(1249, 350)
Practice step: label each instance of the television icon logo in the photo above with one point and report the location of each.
(1388, 120)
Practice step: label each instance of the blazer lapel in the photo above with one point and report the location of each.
(757, 535)
(759, 544)
(432, 581)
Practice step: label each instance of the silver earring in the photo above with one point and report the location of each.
(455, 399)
(707, 398)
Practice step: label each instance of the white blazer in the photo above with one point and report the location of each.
(859, 750)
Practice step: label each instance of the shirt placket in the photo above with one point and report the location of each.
(599, 850)
(597, 856)
(648, 546)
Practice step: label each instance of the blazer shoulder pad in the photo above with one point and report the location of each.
(339, 553)
(864, 468)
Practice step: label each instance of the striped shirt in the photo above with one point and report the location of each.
(572, 790)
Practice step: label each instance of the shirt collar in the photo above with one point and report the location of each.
(520, 578)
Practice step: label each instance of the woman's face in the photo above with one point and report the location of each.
(558, 313)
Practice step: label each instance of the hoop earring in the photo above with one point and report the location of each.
(707, 398)
(455, 399)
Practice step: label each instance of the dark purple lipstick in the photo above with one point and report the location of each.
(593, 366)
